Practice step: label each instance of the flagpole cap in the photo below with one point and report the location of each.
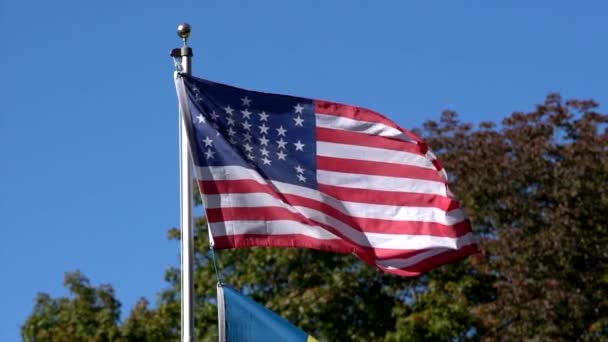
(183, 31)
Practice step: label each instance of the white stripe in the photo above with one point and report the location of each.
(365, 153)
(385, 183)
(278, 227)
(398, 263)
(371, 128)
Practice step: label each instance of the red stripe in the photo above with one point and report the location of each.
(377, 168)
(287, 240)
(255, 214)
(242, 186)
(397, 198)
(358, 113)
(362, 139)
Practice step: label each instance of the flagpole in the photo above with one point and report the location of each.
(186, 222)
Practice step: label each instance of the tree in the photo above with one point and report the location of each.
(91, 315)
(535, 189)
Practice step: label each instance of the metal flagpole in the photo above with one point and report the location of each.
(186, 222)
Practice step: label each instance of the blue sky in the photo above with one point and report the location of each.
(88, 119)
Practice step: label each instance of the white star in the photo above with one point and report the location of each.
(246, 125)
(246, 114)
(298, 108)
(246, 101)
(299, 169)
(214, 115)
(248, 147)
(232, 140)
(250, 156)
(266, 161)
(247, 136)
(299, 146)
(281, 155)
(263, 116)
(209, 154)
(281, 131)
(228, 110)
(197, 97)
(263, 141)
(231, 133)
(263, 129)
(230, 121)
(207, 141)
(195, 89)
(301, 178)
(201, 118)
(299, 121)
(282, 143)
(264, 151)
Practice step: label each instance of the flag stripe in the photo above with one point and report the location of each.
(318, 213)
(376, 168)
(328, 149)
(237, 173)
(330, 223)
(416, 267)
(335, 194)
(243, 224)
(360, 114)
(364, 232)
(216, 173)
(389, 197)
(369, 128)
(352, 112)
(385, 183)
(280, 240)
(376, 214)
(300, 223)
(434, 225)
(362, 139)
(270, 227)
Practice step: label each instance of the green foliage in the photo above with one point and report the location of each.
(535, 189)
(90, 315)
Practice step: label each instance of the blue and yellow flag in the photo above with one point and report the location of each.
(243, 320)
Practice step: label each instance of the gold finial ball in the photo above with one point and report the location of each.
(183, 30)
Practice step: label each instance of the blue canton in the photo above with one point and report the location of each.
(273, 134)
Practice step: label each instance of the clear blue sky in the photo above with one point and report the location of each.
(88, 119)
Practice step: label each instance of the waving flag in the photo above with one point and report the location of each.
(284, 171)
(243, 320)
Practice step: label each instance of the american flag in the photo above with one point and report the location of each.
(284, 171)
